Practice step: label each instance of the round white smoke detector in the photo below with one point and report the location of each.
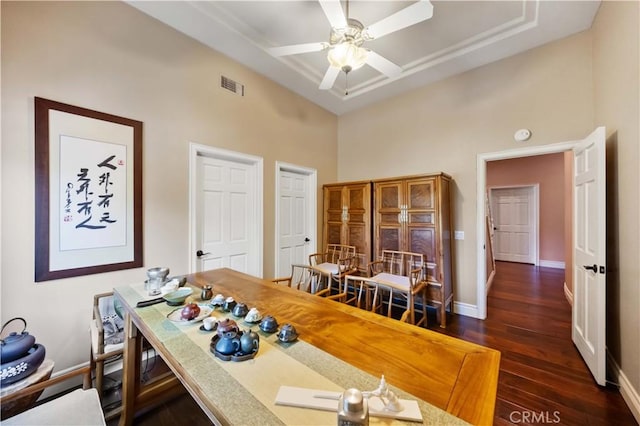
(522, 135)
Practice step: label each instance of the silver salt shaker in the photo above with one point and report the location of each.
(353, 409)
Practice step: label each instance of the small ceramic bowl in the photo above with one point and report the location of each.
(178, 297)
(240, 310)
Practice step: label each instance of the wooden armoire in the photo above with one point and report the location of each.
(410, 213)
(414, 214)
(347, 218)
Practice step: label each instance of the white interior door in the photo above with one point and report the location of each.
(296, 205)
(225, 215)
(589, 292)
(514, 223)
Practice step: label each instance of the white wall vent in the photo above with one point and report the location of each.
(232, 86)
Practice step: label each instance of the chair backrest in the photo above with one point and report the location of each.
(398, 263)
(336, 252)
(303, 277)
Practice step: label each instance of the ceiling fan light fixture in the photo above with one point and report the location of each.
(347, 56)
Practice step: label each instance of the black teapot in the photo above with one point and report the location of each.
(249, 341)
(15, 345)
(228, 343)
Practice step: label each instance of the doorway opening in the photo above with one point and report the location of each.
(482, 160)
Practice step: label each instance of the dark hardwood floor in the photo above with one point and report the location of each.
(543, 379)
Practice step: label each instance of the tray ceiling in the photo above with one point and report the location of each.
(460, 36)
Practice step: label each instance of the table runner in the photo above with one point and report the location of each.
(246, 390)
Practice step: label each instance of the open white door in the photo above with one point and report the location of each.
(589, 291)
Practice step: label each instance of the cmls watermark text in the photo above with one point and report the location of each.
(529, 417)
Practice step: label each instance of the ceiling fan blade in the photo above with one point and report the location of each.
(417, 12)
(295, 49)
(329, 78)
(383, 65)
(335, 15)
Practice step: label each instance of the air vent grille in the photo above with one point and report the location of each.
(231, 85)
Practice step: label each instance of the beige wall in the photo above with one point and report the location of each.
(548, 172)
(561, 91)
(616, 48)
(444, 126)
(110, 57)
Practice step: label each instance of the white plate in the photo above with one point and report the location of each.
(174, 316)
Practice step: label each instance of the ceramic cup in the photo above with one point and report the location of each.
(218, 300)
(229, 304)
(210, 323)
(253, 315)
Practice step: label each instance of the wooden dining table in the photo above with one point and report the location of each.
(339, 346)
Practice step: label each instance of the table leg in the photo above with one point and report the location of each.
(132, 355)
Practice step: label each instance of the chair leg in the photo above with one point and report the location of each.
(99, 377)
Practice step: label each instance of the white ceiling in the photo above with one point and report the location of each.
(460, 36)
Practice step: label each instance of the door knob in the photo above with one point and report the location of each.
(306, 239)
(593, 268)
(199, 253)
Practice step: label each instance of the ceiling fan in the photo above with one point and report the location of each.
(344, 49)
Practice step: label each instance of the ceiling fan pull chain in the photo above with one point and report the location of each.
(346, 84)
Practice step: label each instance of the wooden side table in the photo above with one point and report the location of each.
(19, 405)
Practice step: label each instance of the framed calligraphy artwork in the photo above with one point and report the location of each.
(88, 188)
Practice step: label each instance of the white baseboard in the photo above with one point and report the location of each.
(466, 309)
(629, 394)
(551, 264)
(568, 294)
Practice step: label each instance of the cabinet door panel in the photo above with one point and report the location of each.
(389, 195)
(333, 233)
(388, 239)
(422, 240)
(333, 198)
(347, 218)
(421, 218)
(421, 194)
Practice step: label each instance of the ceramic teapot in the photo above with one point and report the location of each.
(288, 333)
(190, 311)
(15, 345)
(269, 324)
(228, 343)
(249, 342)
(226, 325)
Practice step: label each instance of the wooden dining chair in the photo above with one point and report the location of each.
(399, 278)
(79, 407)
(303, 277)
(333, 265)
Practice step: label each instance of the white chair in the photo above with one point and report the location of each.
(79, 407)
